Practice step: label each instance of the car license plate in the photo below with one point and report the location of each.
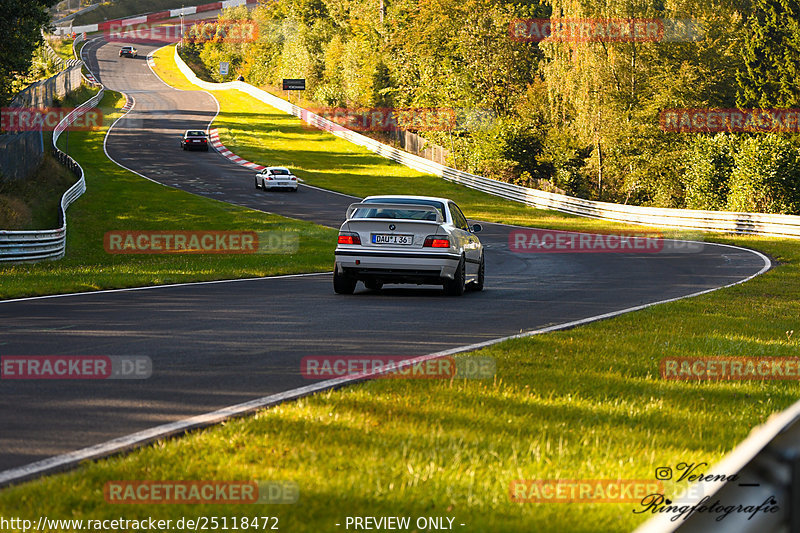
(381, 238)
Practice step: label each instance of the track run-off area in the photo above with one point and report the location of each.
(218, 344)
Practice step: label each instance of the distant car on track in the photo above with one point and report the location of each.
(194, 139)
(408, 239)
(276, 178)
(128, 51)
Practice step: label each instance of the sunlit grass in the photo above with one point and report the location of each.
(587, 403)
(120, 200)
(260, 133)
(63, 47)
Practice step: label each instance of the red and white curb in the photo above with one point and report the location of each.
(129, 102)
(89, 76)
(153, 17)
(213, 136)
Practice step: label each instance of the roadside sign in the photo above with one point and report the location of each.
(294, 85)
(223, 68)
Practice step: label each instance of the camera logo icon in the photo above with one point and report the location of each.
(663, 473)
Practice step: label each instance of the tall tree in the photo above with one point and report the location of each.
(20, 35)
(771, 55)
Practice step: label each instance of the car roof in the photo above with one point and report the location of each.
(278, 168)
(195, 132)
(408, 197)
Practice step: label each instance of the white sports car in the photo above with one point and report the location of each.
(408, 239)
(276, 178)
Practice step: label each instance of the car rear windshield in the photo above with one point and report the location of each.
(407, 214)
(195, 134)
(280, 172)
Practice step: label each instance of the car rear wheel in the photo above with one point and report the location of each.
(342, 283)
(477, 285)
(456, 286)
(257, 185)
(373, 285)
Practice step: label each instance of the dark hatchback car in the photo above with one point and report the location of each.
(195, 140)
(128, 51)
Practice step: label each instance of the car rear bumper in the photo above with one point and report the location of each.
(279, 184)
(397, 266)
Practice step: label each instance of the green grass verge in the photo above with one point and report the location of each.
(265, 135)
(586, 403)
(33, 203)
(580, 404)
(63, 47)
(81, 44)
(120, 200)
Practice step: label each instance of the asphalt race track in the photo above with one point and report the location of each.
(218, 344)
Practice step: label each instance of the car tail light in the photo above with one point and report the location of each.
(347, 237)
(294, 178)
(436, 241)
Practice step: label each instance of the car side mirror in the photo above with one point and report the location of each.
(476, 228)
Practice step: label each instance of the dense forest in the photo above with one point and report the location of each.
(584, 116)
(20, 44)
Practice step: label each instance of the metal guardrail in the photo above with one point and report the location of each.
(60, 62)
(37, 245)
(89, 79)
(721, 221)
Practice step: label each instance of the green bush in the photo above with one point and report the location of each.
(568, 159)
(709, 165)
(765, 177)
(519, 144)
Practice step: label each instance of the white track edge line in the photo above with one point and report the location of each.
(141, 438)
(167, 286)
